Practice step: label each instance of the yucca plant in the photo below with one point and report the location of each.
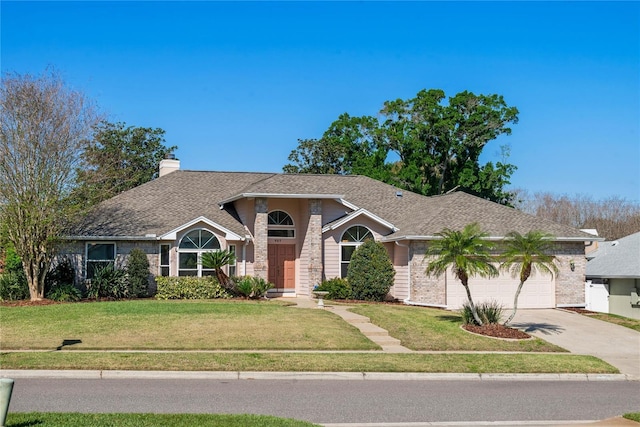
(252, 287)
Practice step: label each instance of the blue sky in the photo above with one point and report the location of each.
(236, 84)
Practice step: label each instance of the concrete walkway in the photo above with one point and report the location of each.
(616, 345)
(374, 333)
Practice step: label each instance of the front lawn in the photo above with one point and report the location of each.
(259, 336)
(51, 419)
(420, 328)
(176, 325)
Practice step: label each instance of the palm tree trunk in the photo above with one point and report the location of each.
(223, 279)
(472, 305)
(515, 304)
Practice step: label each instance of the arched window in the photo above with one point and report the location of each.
(351, 239)
(280, 224)
(191, 247)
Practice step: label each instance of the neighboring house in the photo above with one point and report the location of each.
(298, 230)
(613, 277)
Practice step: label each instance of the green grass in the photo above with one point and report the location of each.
(316, 362)
(177, 325)
(634, 416)
(259, 336)
(50, 419)
(420, 328)
(618, 320)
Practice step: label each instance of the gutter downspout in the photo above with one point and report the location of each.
(244, 255)
(408, 299)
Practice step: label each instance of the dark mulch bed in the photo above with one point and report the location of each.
(27, 303)
(497, 330)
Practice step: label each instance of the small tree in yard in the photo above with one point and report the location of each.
(467, 253)
(370, 272)
(217, 260)
(138, 272)
(525, 254)
(44, 126)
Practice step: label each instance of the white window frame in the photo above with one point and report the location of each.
(198, 252)
(161, 265)
(350, 243)
(281, 227)
(88, 261)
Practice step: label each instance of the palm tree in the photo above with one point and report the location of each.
(467, 252)
(524, 254)
(217, 260)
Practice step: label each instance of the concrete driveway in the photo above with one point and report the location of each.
(616, 345)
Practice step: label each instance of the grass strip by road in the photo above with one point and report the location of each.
(420, 328)
(51, 419)
(310, 362)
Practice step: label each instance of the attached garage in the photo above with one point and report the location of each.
(538, 291)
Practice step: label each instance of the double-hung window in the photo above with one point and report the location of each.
(164, 259)
(99, 255)
(232, 267)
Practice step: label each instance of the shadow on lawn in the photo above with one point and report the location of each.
(450, 318)
(66, 343)
(27, 424)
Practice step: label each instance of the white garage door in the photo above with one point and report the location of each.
(538, 291)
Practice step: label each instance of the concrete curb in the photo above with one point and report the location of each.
(371, 376)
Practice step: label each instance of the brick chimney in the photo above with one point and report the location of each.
(169, 164)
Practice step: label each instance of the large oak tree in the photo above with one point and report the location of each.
(427, 144)
(44, 125)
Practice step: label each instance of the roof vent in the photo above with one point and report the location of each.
(398, 193)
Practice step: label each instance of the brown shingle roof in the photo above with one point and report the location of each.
(173, 200)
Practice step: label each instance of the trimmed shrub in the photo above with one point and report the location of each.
(62, 273)
(13, 286)
(488, 311)
(252, 287)
(59, 282)
(337, 287)
(13, 282)
(370, 272)
(109, 282)
(189, 287)
(66, 292)
(138, 272)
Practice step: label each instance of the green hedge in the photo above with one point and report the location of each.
(337, 287)
(189, 288)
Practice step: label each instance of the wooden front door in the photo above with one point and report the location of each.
(282, 266)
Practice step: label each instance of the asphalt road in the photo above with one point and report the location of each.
(337, 401)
